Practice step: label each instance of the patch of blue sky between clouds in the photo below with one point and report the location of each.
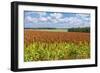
(34, 19)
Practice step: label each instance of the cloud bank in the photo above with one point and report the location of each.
(55, 20)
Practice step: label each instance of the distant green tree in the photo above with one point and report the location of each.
(85, 29)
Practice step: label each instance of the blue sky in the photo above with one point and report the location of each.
(34, 19)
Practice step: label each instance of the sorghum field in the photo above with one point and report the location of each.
(46, 45)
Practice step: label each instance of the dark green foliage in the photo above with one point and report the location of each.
(85, 29)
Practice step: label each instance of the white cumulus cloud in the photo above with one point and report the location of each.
(41, 14)
(56, 15)
(31, 19)
(83, 16)
(43, 19)
(75, 21)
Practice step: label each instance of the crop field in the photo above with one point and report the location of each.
(46, 45)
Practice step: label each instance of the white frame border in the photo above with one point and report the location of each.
(22, 64)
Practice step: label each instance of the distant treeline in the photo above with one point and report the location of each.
(85, 29)
(79, 29)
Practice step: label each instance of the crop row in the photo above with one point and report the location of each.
(39, 51)
(44, 36)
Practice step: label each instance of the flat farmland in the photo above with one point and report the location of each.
(46, 36)
(46, 45)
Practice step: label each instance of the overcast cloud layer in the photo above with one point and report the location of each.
(55, 20)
